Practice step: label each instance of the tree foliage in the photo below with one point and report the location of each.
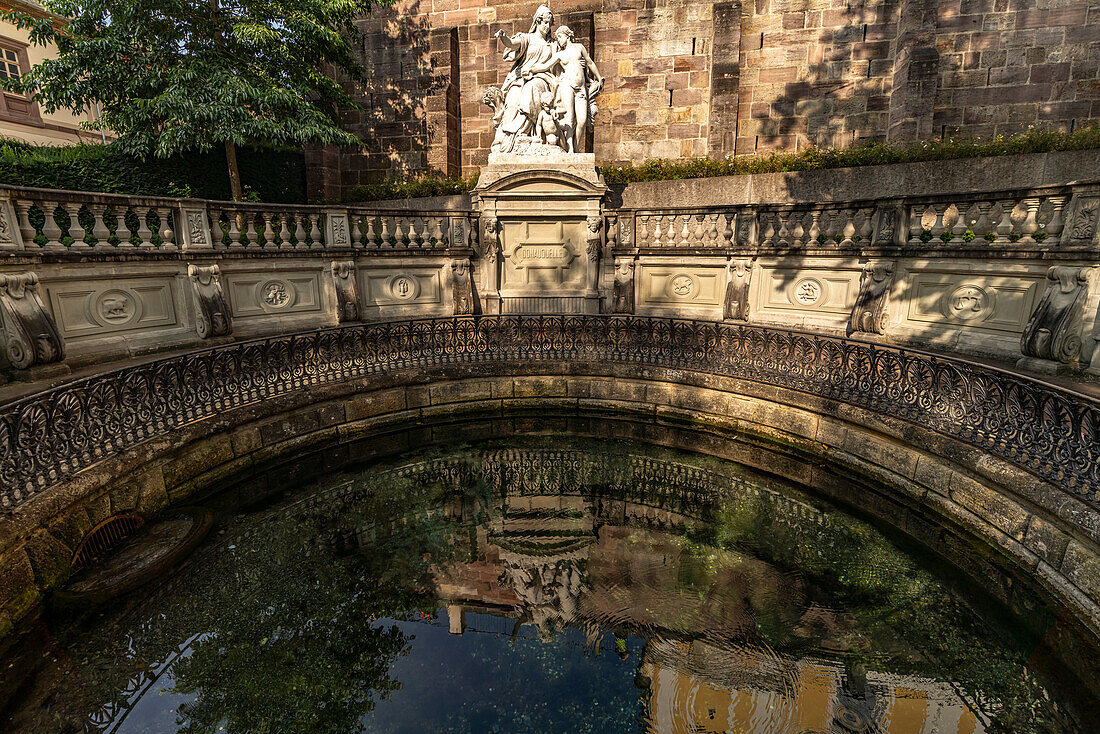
(179, 75)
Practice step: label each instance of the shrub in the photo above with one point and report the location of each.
(274, 175)
(1038, 140)
(415, 188)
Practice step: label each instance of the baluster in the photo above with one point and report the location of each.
(982, 225)
(767, 231)
(643, 230)
(398, 232)
(727, 231)
(122, 230)
(815, 228)
(1004, 226)
(167, 230)
(685, 234)
(954, 224)
(712, 230)
(798, 231)
(299, 233)
(269, 233)
(866, 226)
(370, 239)
(50, 230)
(76, 231)
(1030, 225)
(938, 226)
(284, 232)
(145, 235)
(235, 239)
(386, 230)
(698, 233)
(1056, 224)
(784, 233)
(253, 239)
(315, 242)
(916, 222)
(849, 228)
(656, 231)
(416, 233)
(831, 230)
(99, 227)
(23, 214)
(444, 231)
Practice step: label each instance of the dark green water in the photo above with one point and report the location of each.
(554, 586)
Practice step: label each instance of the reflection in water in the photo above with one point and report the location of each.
(550, 587)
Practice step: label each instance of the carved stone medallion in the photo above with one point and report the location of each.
(683, 286)
(115, 307)
(404, 288)
(808, 291)
(276, 293)
(968, 302)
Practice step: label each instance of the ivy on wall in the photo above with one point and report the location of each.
(271, 175)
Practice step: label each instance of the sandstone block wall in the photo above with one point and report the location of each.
(689, 79)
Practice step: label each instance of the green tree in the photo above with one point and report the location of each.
(176, 75)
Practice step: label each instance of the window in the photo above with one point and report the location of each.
(9, 64)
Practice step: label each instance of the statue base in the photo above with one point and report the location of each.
(530, 154)
(541, 232)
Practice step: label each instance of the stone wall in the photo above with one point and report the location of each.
(713, 79)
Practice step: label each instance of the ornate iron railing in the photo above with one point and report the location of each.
(1051, 432)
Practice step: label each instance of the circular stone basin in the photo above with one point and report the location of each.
(530, 585)
(151, 552)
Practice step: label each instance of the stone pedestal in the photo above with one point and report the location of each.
(541, 232)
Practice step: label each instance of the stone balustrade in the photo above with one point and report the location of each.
(981, 272)
(40, 221)
(1018, 221)
(1007, 274)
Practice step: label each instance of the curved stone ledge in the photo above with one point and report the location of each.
(994, 521)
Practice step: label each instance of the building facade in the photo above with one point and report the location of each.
(712, 79)
(21, 118)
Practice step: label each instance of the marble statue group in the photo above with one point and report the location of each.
(549, 94)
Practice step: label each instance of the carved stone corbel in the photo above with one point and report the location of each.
(1054, 330)
(462, 287)
(869, 310)
(30, 335)
(623, 293)
(739, 273)
(347, 291)
(212, 315)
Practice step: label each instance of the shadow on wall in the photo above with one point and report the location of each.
(393, 120)
(842, 94)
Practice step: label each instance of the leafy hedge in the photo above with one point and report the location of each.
(871, 154)
(271, 175)
(415, 188)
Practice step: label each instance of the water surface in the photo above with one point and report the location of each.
(547, 586)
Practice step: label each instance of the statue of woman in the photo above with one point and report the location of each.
(527, 81)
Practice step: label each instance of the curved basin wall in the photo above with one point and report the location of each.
(1007, 464)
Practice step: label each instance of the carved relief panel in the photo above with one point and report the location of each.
(256, 294)
(421, 286)
(672, 288)
(972, 300)
(826, 290)
(104, 306)
(543, 257)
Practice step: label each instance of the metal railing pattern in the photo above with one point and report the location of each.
(1049, 431)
